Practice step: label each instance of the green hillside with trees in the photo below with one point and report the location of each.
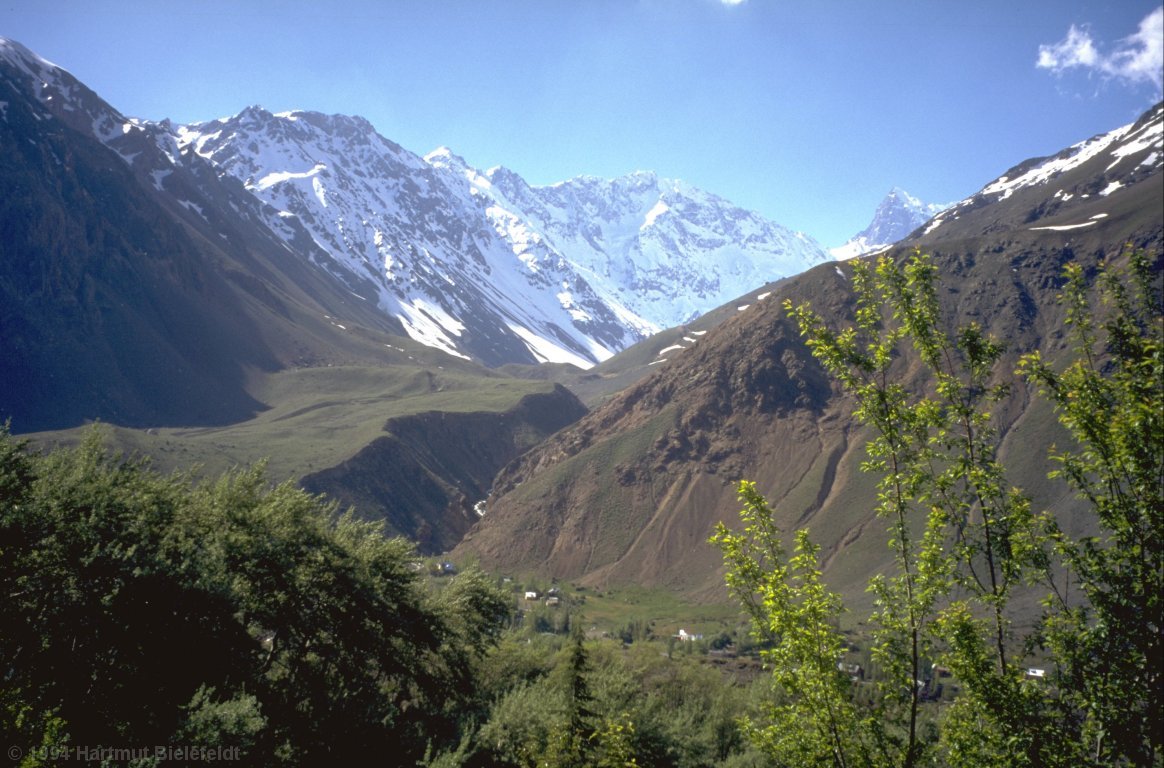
(158, 618)
(236, 620)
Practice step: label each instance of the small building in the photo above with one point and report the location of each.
(531, 594)
(687, 637)
(553, 601)
(855, 671)
(1037, 674)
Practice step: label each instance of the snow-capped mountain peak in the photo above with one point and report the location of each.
(32, 64)
(446, 159)
(483, 265)
(898, 214)
(660, 247)
(479, 264)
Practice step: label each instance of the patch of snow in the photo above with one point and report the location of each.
(430, 325)
(546, 351)
(576, 313)
(849, 250)
(1112, 187)
(660, 208)
(1151, 135)
(104, 129)
(1065, 227)
(193, 207)
(279, 176)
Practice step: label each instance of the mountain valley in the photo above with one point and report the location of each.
(565, 381)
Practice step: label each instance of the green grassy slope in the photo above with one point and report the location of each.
(413, 446)
(316, 417)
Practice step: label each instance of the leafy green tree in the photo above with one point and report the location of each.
(934, 447)
(1110, 647)
(614, 742)
(102, 636)
(813, 721)
(571, 745)
(964, 542)
(143, 609)
(522, 722)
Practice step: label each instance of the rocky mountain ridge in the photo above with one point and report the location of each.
(133, 287)
(481, 264)
(173, 280)
(1073, 191)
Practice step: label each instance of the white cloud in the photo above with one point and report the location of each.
(732, 2)
(1142, 57)
(1138, 58)
(1076, 50)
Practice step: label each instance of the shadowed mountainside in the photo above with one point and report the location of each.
(135, 285)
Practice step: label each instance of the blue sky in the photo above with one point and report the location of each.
(807, 111)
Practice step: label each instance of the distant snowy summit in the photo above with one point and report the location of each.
(898, 215)
(483, 265)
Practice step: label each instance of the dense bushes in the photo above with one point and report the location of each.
(145, 610)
